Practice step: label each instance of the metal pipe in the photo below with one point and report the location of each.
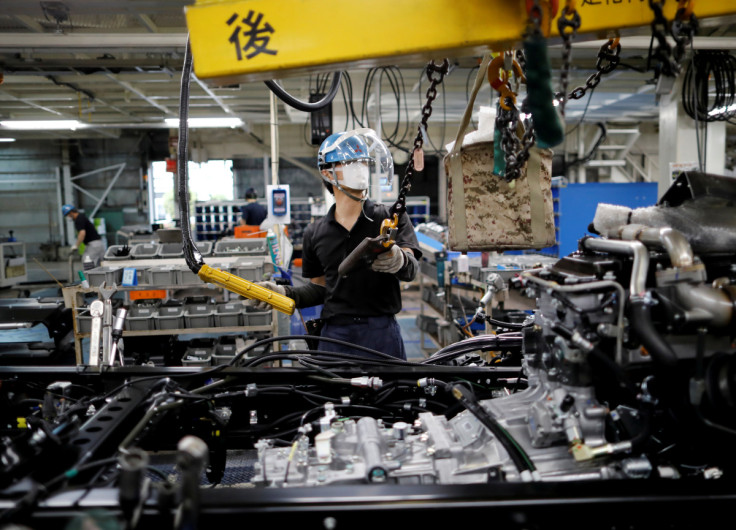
(638, 283)
(716, 302)
(15, 325)
(603, 284)
(677, 246)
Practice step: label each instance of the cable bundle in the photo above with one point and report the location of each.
(712, 68)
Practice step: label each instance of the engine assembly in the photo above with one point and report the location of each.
(619, 388)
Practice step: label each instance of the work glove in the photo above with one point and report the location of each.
(265, 306)
(73, 250)
(390, 261)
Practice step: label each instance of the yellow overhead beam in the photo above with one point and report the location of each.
(249, 40)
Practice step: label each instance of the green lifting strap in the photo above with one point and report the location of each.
(499, 158)
(547, 124)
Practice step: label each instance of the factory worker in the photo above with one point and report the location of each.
(359, 308)
(94, 249)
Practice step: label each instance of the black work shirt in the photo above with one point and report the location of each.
(253, 213)
(90, 232)
(364, 292)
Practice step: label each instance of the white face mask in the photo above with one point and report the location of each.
(355, 175)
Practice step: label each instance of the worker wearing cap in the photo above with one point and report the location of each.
(253, 213)
(359, 308)
(87, 234)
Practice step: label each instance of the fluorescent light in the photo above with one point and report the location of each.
(42, 125)
(7, 139)
(201, 123)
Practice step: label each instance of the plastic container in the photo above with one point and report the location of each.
(141, 273)
(199, 315)
(141, 317)
(253, 317)
(170, 316)
(240, 247)
(117, 252)
(225, 351)
(204, 247)
(161, 275)
(198, 353)
(84, 321)
(108, 274)
(184, 276)
(248, 269)
(145, 250)
(229, 314)
(170, 250)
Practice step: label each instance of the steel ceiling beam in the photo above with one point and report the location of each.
(141, 95)
(147, 22)
(29, 22)
(94, 41)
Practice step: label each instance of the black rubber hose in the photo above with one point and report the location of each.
(191, 254)
(641, 323)
(290, 100)
(521, 460)
(638, 441)
(509, 325)
(507, 341)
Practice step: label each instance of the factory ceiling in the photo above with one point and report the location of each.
(117, 65)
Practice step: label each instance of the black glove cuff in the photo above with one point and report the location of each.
(307, 295)
(409, 271)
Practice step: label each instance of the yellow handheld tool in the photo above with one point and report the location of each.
(238, 285)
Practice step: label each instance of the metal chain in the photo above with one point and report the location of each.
(436, 75)
(516, 150)
(608, 59)
(663, 52)
(568, 24)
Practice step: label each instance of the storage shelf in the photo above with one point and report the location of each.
(74, 299)
(187, 331)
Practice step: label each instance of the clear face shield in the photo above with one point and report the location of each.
(362, 153)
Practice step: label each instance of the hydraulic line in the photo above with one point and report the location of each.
(192, 256)
(290, 100)
(518, 456)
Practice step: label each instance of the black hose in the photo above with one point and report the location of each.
(357, 347)
(709, 86)
(507, 341)
(290, 100)
(509, 325)
(638, 441)
(641, 323)
(191, 254)
(520, 459)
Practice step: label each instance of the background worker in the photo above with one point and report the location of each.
(253, 213)
(87, 234)
(361, 307)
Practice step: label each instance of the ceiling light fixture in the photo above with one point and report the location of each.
(7, 139)
(42, 125)
(202, 123)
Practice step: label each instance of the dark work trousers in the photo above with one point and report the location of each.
(380, 333)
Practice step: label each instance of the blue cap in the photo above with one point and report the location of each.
(67, 208)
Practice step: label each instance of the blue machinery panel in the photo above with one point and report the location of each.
(578, 202)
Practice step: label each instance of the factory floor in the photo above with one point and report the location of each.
(42, 277)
